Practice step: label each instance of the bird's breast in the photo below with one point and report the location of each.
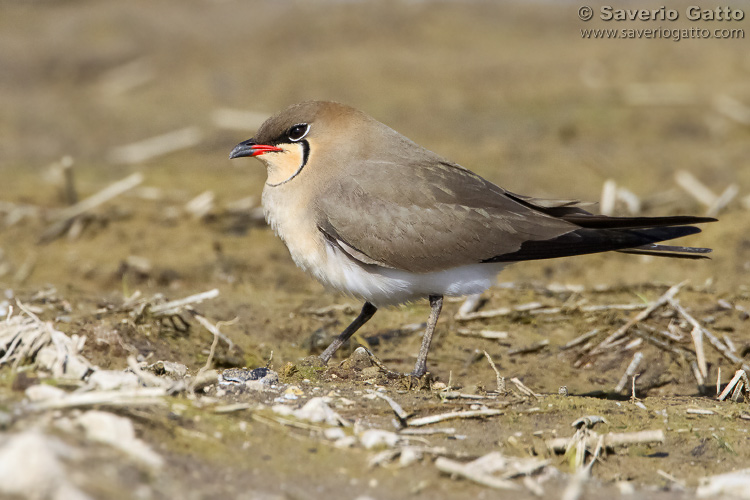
(290, 218)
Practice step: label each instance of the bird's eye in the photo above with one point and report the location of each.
(298, 131)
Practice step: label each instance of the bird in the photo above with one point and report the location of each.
(371, 214)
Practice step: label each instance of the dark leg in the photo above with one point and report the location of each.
(364, 316)
(436, 303)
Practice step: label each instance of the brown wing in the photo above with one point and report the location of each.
(428, 217)
(434, 215)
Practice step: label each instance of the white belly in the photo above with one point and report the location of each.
(375, 284)
(383, 286)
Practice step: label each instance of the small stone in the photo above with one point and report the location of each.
(625, 487)
(359, 360)
(205, 379)
(294, 390)
(109, 380)
(334, 433)
(30, 468)
(377, 438)
(119, 433)
(409, 455)
(316, 410)
(44, 392)
(345, 442)
(175, 371)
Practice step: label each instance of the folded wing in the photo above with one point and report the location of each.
(431, 215)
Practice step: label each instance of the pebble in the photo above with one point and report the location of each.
(118, 432)
(30, 467)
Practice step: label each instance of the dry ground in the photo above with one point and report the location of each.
(510, 91)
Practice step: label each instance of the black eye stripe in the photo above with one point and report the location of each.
(305, 156)
(298, 131)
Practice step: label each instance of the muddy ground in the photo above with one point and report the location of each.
(510, 91)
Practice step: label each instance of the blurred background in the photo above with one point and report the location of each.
(100, 90)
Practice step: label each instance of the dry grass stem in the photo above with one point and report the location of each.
(610, 307)
(148, 149)
(500, 379)
(677, 350)
(201, 205)
(609, 197)
(470, 305)
(428, 432)
(397, 409)
(737, 393)
(731, 108)
(670, 477)
(433, 419)
(538, 346)
(695, 188)
(699, 411)
(724, 199)
(467, 472)
(484, 334)
(495, 470)
(238, 119)
(502, 311)
(581, 339)
(129, 397)
(463, 395)
(629, 371)
(698, 375)
(126, 77)
(64, 217)
(174, 307)
(630, 199)
(21, 337)
(700, 355)
(525, 390)
(623, 330)
(632, 388)
(738, 375)
(718, 344)
(611, 440)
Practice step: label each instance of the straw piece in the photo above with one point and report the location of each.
(433, 419)
(724, 199)
(609, 197)
(695, 188)
(737, 376)
(611, 440)
(238, 119)
(66, 215)
(148, 149)
(623, 330)
(629, 372)
(733, 109)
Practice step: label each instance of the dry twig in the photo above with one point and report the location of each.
(433, 419)
(500, 379)
(623, 330)
(65, 216)
(629, 371)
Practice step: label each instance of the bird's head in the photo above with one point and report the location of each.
(312, 132)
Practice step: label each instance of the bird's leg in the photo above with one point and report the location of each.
(364, 315)
(436, 304)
